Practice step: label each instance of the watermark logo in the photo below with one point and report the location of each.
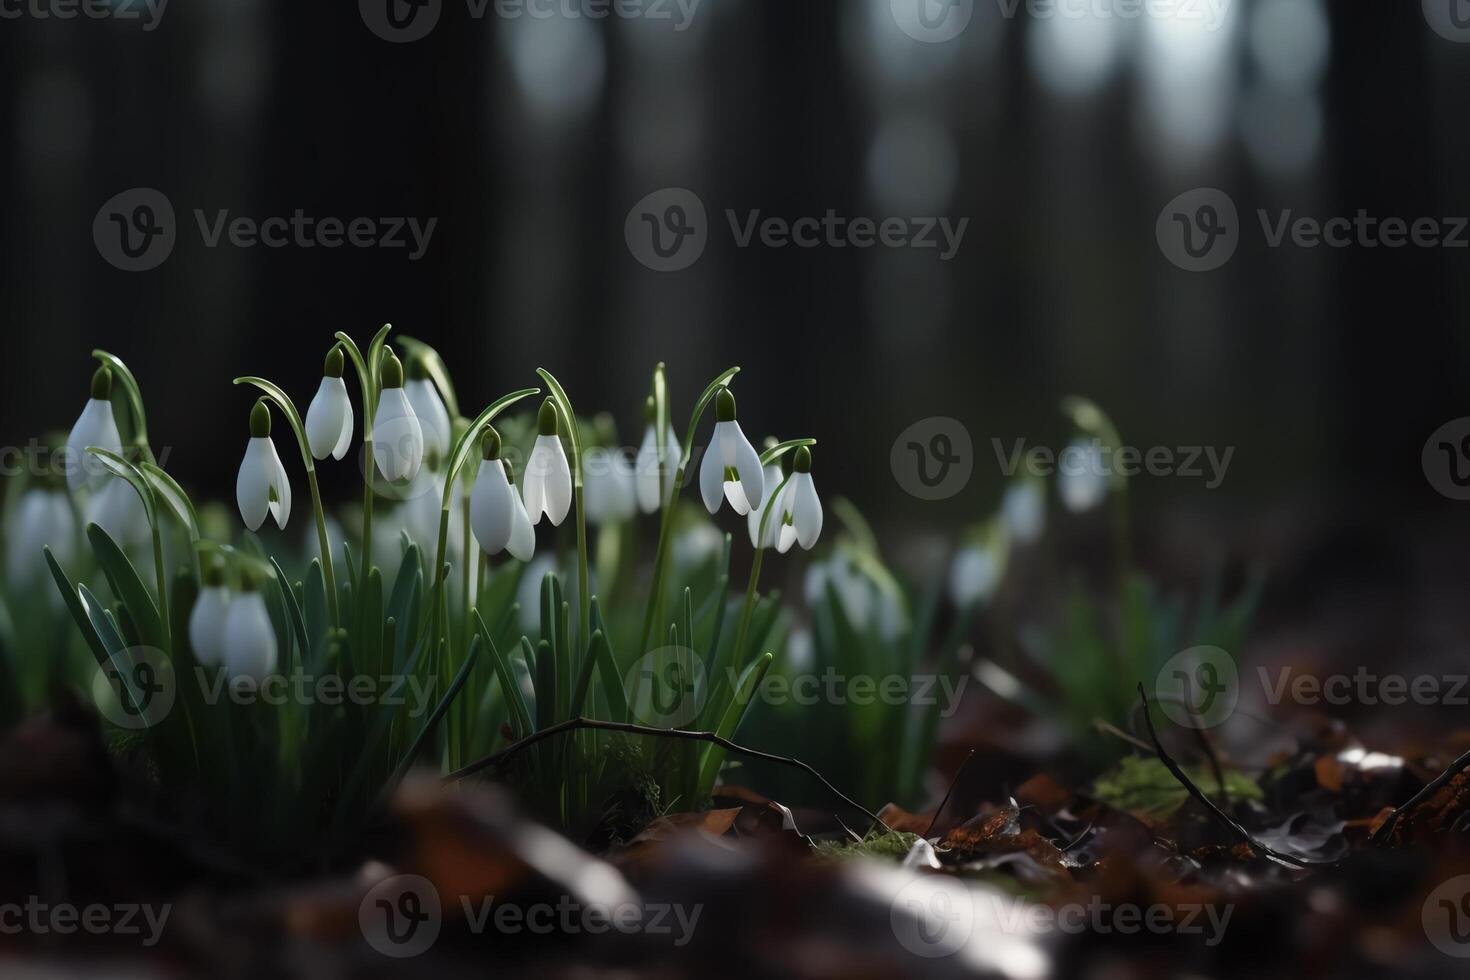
(135, 688)
(932, 21)
(933, 916)
(401, 916)
(1199, 230)
(933, 458)
(135, 230)
(1198, 687)
(1446, 459)
(147, 12)
(400, 21)
(1450, 19)
(667, 230)
(40, 918)
(666, 687)
(1095, 458)
(1446, 917)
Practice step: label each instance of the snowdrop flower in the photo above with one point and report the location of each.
(753, 519)
(329, 417)
(498, 517)
(978, 567)
(207, 620)
(248, 640)
(43, 517)
(799, 509)
(1023, 508)
(119, 511)
(94, 427)
(547, 487)
(398, 439)
(422, 510)
(261, 486)
(730, 463)
(1082, 479)
(607, 480)
(646, 466)
(429, 408)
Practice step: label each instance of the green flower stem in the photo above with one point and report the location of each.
(124, 470)
(665, 530)
(135, 402)
(162, 576)
(367, 382)
(569, 420)
(737, 652)
(293, 418)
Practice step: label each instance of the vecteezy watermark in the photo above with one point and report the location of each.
(933, 458)
(932, 21)
(39, 459)
(1210, 13)
(1446, 459)
(1450, 19)
(40, 918)
(403, 21)
(1446, 917)
(668, 230)
(936, 915)
(402, 916)
(135, 688)
(1199, 230)
(146, 12)
(136, 230)
(666, 687)
(1198, 687)
(1207, 463)
(832, 687)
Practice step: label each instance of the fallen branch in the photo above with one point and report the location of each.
(1224, 818)
(1456, 767)
(498, 759)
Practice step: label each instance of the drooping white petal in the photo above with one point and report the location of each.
(248, 640)
(712, 473)
(1082, 479)
(423, 508)
(492, 511)
(753, 520)
(207, 625)
(974, 575)
(806, 510)
(433, 417)
(646, 469)
(548, 481)
(119, 511)
(398, 438)
(41, 518)
(261, 486)
(737, 453)
(329, 419)
(522, 544)
(1023, 508)
(94, 427)
(607, 480)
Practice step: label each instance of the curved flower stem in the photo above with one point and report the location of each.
(665, 529)
(135, 402)
(126, 471)
(288, 409)
(367, 382)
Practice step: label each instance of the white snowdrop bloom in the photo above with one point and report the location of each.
(547, 485)
(1082, 479)
(800, 510)
(731, 466)
(697, 542)
(1023, 508)
(422, 509)
(207, 619)
(429, 408)
(498, 517)
(753, 519)
(854, 592)
(607, 480)
(43, 517)
(97, 427)
(646, 470)
(398, 438)
(119, 511)
(329, 417)
(261, 486)
(248, 640)
(976, 572)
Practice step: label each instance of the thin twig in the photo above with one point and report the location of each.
(949, 792)
(1108, 728)
(1456, 767)
(1219, 814)
(497, 759)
